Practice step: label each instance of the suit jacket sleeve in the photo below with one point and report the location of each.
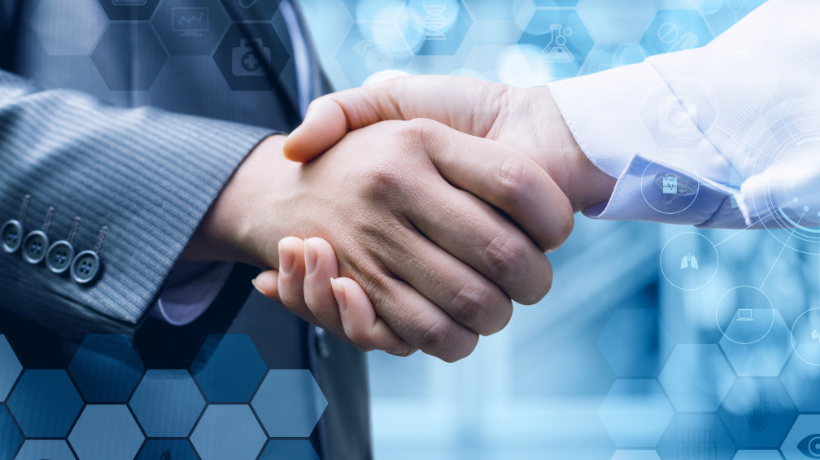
(147, 175)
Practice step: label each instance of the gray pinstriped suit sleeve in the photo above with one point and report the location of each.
(146, 174)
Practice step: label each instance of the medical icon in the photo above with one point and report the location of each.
(434, 21)
(697, 445)
(689, 261)
(744, 314)
(249, 58)
(687, 42)
(376, 58)
(678, 115)
(810, 446)
(129, 2)
(815, 335)
(556, 50)
(189, 21)
(669, 33)
(757, 422)
(670, 185)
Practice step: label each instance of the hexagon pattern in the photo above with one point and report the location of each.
(675, 30)
(45, 403)
(758, 412)
(167, 403)
(190, 27)
(228, 431)
(764, 358)
(289, 403)
(635, 413)
(179, 449)
(562, 38)
(106, 432)
(434, 29)
(134, 10)
(374, 10)
(228, 368)
(136, 71)
(493, 10)
(10, 437)
(802, 380)
(251, 56)
(616, 21)
(106, 368)
(803, 440)
(10, 368)
(372, 48)
(635, 343)
(291, 449)
(758, 455)
(693, 436)
(696, 377)
(67, 29)
(38, 449)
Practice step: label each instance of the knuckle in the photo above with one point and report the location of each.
(384, 180)
(512, 176)
(504, 255)
(435, 339)
(470, 305)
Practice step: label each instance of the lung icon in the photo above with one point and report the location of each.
(689, 261)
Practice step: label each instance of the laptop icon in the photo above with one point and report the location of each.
(744, 314)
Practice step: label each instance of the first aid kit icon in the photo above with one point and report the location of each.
(249, 58)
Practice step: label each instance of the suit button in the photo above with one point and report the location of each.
(35, 246)
(59, 256)
(12, 234)
(85, 267)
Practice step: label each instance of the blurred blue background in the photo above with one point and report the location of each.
(616, 358)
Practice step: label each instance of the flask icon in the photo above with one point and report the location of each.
(434, 21)
(556, 50)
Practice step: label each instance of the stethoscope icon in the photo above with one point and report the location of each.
(247, 5)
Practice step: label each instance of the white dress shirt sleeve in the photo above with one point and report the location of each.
(718, 136)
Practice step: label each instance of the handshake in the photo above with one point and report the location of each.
(427, 203)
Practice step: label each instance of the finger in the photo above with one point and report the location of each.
(361, 325)
(502, 177)
(267, 283)
(473, 109)
(479, 236)
(292, 278)
(320, 267)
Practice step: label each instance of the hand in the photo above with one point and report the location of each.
(414, 221)
(525, 119)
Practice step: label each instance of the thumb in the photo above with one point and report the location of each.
(324, 125)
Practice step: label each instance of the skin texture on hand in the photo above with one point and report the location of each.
(526, 119)
(439, 241)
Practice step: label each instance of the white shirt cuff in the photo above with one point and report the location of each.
(190, 290)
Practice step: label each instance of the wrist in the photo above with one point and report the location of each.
(560, 155)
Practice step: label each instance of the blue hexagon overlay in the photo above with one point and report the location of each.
(134, 10)
(137, 71)
(758, 455)
(228, 368)
(635, 413)
(616, 21)
(45, 403)
(758, 412)
(251, 10)
(10, 437)
(167, 403)
(178, 449)
(803, 439)
(106, 432)
(696, 378)
(372, 48)
(289, 403)
(635, 342)
(374, 10)
(802, 381)
(52, 449)
(696, 436)
(434, 28)
(635, 455)
(764, 358)
(291, 449)
(106, 368)
(67, 29)
(228, 431)
(675, 30)
(251, 56)
(554, 3)
(10, 368)
(493, 10)
(549, 28)
(190, 27)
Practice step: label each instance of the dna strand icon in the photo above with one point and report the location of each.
(434, 21)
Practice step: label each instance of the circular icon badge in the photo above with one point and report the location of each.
(670, 185)
(687, 110)
(745, 315)
(689, 261)
(806, 336)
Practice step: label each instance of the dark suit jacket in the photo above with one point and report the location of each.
(127, 125)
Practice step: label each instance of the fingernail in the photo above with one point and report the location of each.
(286, 259)
(339, 293)
(253, 281)
(311, 257)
